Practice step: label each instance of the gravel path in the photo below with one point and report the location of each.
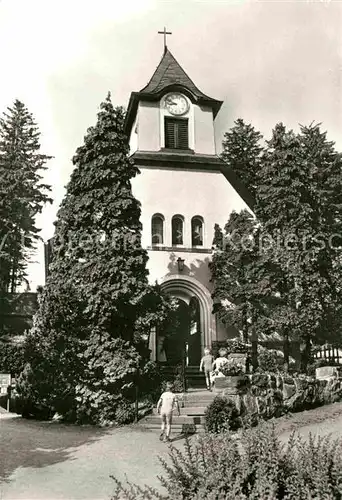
(53, 461)
(50, 461)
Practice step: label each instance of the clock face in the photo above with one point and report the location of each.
(176, 104)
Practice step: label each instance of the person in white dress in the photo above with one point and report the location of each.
(219, 361)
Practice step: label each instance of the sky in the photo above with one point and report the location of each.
(270, 61)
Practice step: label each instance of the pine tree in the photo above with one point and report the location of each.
(22, 193)
(97, 242)
(99, 267)
(242, 151)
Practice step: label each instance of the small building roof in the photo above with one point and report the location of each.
(168, 76)
(169, 72)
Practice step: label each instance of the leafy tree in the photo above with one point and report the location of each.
(22, 193)
(242, 151)
(284, 208)
(290, 206)
(236, 275)
(99, 268)
(324, 252)
(298, 185)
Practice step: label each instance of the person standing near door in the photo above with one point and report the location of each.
(207, 366)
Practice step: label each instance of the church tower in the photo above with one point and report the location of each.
(184, 189)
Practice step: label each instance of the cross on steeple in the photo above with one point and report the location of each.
(164, 33)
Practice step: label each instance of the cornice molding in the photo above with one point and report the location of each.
(182, 159)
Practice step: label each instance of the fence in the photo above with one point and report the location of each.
(329, 353)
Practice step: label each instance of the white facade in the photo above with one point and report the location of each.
(148, 130)
(183, 183)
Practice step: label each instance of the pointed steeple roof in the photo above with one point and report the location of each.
(169, 72)
(169, 76)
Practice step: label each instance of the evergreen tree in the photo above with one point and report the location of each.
(97, 242)
(99, 267)
(242, 152)
(22, 193)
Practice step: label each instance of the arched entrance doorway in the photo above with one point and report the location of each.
(194, 324)
(173, 338)
(180, 340)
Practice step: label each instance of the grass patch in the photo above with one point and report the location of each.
(294, 421)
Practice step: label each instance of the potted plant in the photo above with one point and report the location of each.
(229, 376)
(239, 351)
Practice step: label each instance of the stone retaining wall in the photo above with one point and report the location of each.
(272, 395)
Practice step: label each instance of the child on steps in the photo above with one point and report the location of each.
(207, 366)
(167, 401)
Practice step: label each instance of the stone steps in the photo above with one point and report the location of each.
(179, 429)
(196, 403)
(184, 424)
(194, 378)
(192, 408)
(201, 400)
(188, 410)
(177, 420)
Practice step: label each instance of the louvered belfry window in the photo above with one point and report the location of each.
(176, 133)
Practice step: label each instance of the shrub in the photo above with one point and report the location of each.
(268, 361)
(106, 391)
(176, 378)
(237, 345)
(222, 415)
(259, 467)
(11, 358)
(34, 389)
(15, 404)
(178, 381)
(150, 381)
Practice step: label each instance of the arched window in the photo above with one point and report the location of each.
(197, 231)
(157, 229)
(177, 230)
